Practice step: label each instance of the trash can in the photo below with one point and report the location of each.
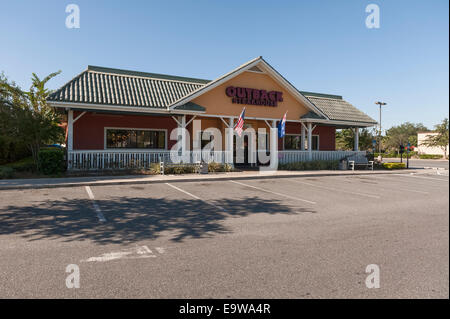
(343, 165)
(204, 168)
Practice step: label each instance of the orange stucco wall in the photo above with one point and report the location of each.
(218, 103)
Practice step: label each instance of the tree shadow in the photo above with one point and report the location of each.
(132, 219)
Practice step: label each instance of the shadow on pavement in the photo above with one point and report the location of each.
(131, 219)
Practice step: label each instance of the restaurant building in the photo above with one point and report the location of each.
(121, 119)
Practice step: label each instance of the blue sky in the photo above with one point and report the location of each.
(320, 46)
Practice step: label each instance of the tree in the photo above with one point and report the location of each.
(441, 138)
(26, 117)
(345, 139)
(402, 134)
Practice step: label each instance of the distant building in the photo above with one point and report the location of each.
(423, 149)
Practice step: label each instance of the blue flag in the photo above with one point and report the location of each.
(282, 126)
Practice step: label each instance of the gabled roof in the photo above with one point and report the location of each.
(337, 109)
(262, 65)
(98, 85)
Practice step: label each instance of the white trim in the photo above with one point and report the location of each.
(249, 118)
(257, 72)
(176, 121)
(352, 124)
(79, 116)
(189, 122)
(226, 124)
(134, 149)
(127, 109)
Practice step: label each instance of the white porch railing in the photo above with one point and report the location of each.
(285, 157)
(106, 159)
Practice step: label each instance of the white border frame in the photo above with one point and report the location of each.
(134, 149)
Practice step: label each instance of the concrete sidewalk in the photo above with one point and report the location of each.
(10, 184)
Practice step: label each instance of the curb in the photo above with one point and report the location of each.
(190, 179)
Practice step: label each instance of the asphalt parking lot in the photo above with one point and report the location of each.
(302, 237)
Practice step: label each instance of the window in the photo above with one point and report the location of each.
(315, 143)
(126, 138)
(292, 142)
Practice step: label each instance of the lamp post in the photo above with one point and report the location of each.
(379, 132)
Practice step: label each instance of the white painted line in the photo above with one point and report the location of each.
(423, 177)
(96, 208)
(160, 250)
(275, 193)
(131, 253)
(334, 189)
(196, 197)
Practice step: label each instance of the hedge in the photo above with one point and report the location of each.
(394, 165)
(23, 165)
(312, 165)
(6, 172)
(217, 167)
(51, 161)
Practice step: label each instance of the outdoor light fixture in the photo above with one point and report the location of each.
(379, 133)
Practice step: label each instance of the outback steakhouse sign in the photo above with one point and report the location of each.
(254, 96)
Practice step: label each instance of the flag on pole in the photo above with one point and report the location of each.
(282, 126)
(240, 123)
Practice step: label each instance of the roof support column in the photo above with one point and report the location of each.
(70, 130)
(310, 140)
(229, 141)
(183, 135)
(274, 145)
(356, 139)
(303, 137)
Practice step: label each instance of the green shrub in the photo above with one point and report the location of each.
(218, 167)
(394, 165)
(155, 168)
(51, 161)
(6, 172)
(179, 169)
(312, 165)
(430, 156)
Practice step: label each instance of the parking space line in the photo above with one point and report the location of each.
(336, 190)
(275, 193)
(94, 204)
(194, 196)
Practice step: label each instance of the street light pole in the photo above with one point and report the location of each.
(379, 132)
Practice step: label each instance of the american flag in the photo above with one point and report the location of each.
(240, 123)
(282, 126)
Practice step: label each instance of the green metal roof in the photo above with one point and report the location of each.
(338, 109)
(99, 85)
(117, 87)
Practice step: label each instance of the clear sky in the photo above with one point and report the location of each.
(320, 46)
